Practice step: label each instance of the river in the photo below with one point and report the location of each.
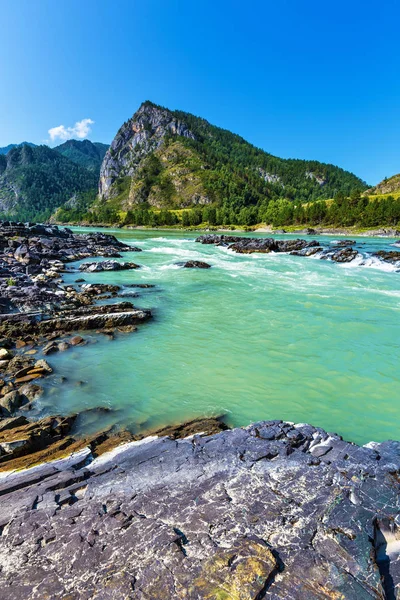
(255, 337)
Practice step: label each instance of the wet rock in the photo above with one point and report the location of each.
(63, 346)
(10, 403)
(77, 340)
(244, 245)
(50, 348)
(194, 264)
(107, 265)
(344, 256)
(31, 391)
(392, 256)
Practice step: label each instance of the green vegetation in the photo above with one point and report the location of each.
(344, 211)
(34, 181)
(84, 153)
(206, 166)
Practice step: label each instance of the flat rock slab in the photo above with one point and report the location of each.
(247, 513)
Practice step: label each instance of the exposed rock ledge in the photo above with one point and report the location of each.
(271, 511)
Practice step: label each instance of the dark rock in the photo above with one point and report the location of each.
(345, 255)
(392, 256)
(107, 265)
(10, 403)
(194, 264)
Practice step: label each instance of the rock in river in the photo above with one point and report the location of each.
(194, 264)
(107, 265)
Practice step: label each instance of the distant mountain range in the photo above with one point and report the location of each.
(35, 180)
(84, 153)
(6, 149)
(159, 159)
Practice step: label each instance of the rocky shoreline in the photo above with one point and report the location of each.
(40, 315)
(274, 510)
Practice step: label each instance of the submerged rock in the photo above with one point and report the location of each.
(274, 510)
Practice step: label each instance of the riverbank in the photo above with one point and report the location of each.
(274, 510)
(41, 316)
(383, 231)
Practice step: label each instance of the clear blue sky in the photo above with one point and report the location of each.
(300, 79)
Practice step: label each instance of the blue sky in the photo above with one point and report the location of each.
(300, 79)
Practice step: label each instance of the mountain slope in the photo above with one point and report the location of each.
(387, 186)
(36, 180)
(84, 153)
(6, 149)
(172, 159)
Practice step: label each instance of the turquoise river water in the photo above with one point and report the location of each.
(255, 337)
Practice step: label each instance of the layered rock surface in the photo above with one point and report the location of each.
(275, 511)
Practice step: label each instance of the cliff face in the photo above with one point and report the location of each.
(135, 140)
(275, 511)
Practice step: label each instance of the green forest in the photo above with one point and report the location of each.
(342, 211)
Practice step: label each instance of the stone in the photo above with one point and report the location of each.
(63, 346)
(43, 366)
(31, 391)
(243, 513)
(107, 265)
(5, 355)
(10, 402)
(77, 340)
(195, 264)
(50, 348)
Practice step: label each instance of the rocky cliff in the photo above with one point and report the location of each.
(135, 140)
(275, 510)
(387, 186)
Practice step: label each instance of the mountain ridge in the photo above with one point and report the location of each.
(6, 149)
(223, 168)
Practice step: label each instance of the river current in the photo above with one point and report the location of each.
(255, 337)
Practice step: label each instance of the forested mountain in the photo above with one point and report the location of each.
(162, 160)
(36, 180)
(84, 153)
(6, 149)
(172, 159)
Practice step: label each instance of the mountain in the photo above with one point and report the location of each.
(172, 159)
(84, 153)
(6, 149)
(387, 186)
(36, 180)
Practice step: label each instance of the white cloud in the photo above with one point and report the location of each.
(80, 130)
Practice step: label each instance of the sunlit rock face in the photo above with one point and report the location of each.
(139, 136)
(272, 511)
